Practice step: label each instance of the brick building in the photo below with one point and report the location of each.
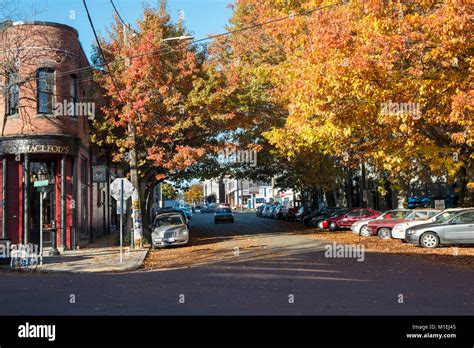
(46, 105)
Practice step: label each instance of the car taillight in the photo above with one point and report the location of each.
(325, 224)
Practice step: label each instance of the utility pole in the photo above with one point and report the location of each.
(132, 158)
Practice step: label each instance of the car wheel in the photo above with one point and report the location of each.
(429, 240)
(385, 233)
(332, 226)
(319, 224)
(365, 231)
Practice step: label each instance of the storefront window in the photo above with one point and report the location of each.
(45, 92)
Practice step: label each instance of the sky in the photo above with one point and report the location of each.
(201, 17)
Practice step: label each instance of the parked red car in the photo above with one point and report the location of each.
(346, 220)
(383, 228)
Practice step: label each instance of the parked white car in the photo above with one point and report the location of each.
(398, 230)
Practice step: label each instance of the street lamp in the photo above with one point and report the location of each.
(179, 38)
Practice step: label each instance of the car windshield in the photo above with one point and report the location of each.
(168, 221)
(223, 211)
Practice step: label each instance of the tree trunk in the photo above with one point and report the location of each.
(402, 197)
(363, 186)
(146, 212)
(314, 198)
(465, 176)
(349, 189)
(330, 198)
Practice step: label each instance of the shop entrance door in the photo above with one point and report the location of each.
(42, 172)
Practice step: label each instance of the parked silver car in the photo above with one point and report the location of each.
(398, 231)
(169, 229)
(454, 229)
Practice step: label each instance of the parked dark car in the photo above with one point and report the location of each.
(276, 212)
(318, 219)
(302, 212)
(223, 215)
(324, 211)
(346, 220)
(259, 210)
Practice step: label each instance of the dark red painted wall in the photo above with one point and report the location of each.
(14, 202)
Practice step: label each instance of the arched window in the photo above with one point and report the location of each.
(45, 90)
(13, 92)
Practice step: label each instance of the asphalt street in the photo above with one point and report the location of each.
(296, 279)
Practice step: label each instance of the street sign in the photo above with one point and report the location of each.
(439, 204)
(121, 189)
(117, 184)
(99, 173)
(40, 183)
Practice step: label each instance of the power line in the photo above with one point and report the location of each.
(202, 40)
(101, 51)
(304, 13)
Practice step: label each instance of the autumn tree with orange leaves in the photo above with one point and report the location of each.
(336, 69)
(148, 93)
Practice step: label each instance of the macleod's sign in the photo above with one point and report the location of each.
(51, 145)
(41, 148)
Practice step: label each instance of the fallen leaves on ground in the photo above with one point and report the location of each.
(461, 256)
(199, 252)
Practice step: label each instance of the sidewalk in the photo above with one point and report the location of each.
(93, 260)
(101, 256)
